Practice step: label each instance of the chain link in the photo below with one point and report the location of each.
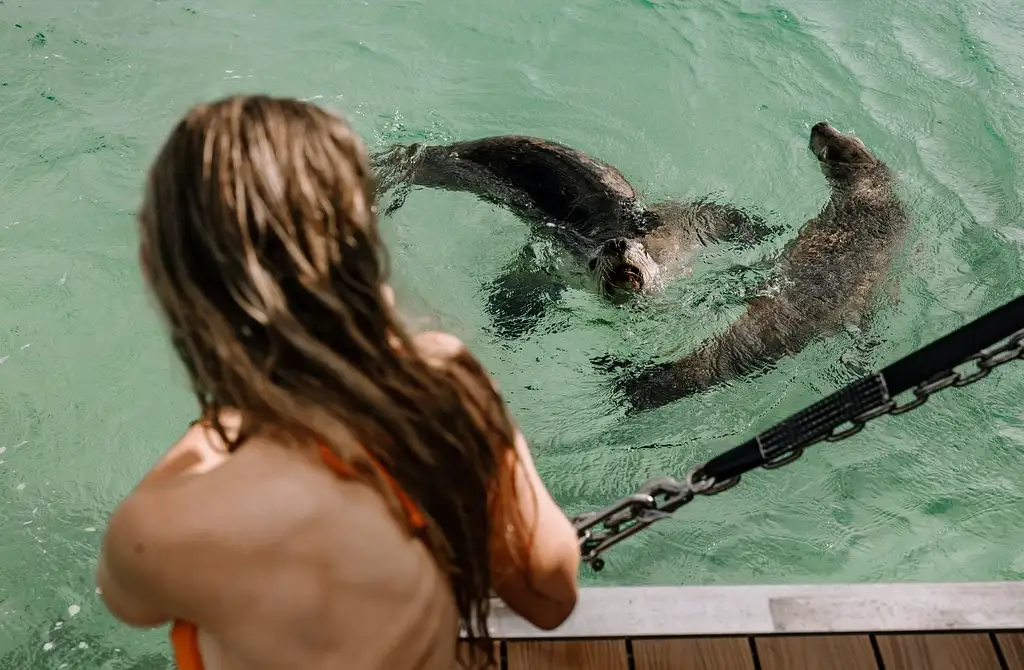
(660, 497)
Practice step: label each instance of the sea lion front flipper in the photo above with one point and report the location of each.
(742, 227)
(710, 222)
(740, 282)
(537, 180)
(610, 363)
(891, 289)
(518, 298)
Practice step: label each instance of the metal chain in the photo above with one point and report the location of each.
(660, 497)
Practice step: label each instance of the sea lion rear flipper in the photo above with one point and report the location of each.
(654, 385)
(518, 298)
(859, 359)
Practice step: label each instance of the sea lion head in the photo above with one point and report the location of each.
(842, 157)
(622, 266)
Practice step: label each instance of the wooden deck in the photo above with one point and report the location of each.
(926, 651)
(846, 627)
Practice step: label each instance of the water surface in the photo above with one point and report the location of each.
(686, 98)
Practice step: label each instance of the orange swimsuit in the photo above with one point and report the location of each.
(185, 635)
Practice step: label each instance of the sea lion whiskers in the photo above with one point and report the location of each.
(622, 266)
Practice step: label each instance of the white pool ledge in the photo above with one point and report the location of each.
(758, 610)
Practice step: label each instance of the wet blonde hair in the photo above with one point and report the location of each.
(260, 241)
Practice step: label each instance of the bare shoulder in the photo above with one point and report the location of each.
(174, 541)
(438, 347)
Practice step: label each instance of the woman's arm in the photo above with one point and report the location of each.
(540, 583)
(534, 563)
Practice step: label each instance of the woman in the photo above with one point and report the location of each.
(351, 493)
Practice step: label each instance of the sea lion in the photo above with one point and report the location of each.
(615, 245)
(828, 276)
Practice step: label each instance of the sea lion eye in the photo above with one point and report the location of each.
(593, 263)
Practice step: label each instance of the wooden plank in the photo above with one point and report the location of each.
(464, 652)
(567, 655)
(710, 653)
(1012, 646)
(816, 652)
(812, 609)
(938, 651)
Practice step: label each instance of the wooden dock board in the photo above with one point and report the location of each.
(568, 655)
(816, 652)
(939, 651)
(918, 626)
(692, 654)
(1012, 647)
(887, 651)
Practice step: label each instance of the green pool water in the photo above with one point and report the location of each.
(686, 98)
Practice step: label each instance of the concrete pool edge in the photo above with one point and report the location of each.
(679, 611)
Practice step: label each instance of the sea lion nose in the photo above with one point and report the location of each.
(824, 129)
(617, 245)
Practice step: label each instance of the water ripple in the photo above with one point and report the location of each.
(686, 98)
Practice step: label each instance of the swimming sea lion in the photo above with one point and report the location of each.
(616, 245)
(830, 274)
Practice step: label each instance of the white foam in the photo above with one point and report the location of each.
(48, 646)
(73, 610)
(20, 487)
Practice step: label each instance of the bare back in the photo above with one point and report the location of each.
(304, 569)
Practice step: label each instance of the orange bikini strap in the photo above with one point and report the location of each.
(185, 645)
(343, 469)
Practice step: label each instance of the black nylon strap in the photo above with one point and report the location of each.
(818, 420)
(949, 350)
